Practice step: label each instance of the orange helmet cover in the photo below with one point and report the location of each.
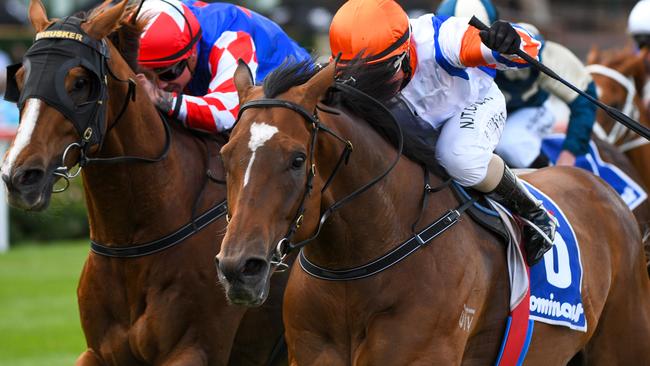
(379, 28)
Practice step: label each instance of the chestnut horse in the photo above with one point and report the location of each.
(157, 304)
(288, 163)
(620, 76)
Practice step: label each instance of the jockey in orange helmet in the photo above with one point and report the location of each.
(445, 70)
(531, 117)
(192, 47)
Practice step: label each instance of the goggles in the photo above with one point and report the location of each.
(172, 72)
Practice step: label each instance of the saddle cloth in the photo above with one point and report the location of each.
(628, 189)
(548, 292)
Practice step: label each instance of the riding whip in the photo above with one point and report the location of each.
(613, 112)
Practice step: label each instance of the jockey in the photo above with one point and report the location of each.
(527, 92)
(193, 47)
(638, 25)
(445, 75)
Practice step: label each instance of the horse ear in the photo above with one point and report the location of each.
(37, 15)
(594, 55)
(318, 85)
(105, 22)
(243, 80)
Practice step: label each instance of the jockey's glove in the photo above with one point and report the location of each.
(501, 37)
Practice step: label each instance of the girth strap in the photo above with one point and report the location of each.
(391, 258)
(168, 241)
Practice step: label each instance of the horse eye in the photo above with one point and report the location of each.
(298, 161)
(79, 84)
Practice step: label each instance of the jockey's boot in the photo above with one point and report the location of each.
(512, 194)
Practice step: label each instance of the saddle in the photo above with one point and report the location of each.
(483, 212)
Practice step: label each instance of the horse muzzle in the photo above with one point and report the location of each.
(28, 188)
(246, 281)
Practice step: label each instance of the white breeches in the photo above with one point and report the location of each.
(467, 140)
(521, 142)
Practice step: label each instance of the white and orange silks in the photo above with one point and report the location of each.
(453, 89)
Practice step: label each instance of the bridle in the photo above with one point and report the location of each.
(285, 244)
(66, 42)
(418, 240)
(619, 131)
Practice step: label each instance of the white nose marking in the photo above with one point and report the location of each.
(260, 134)
(24, 134)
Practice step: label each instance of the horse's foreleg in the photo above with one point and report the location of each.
(89, 358)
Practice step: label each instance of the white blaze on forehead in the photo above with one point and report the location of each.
(24, 134)
(260, 134)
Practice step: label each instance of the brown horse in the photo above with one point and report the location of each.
(285, 169)
(620, 76)
(160, 306)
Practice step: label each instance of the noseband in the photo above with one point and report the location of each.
(619, 131)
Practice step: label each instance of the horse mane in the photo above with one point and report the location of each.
(289, 74)
(378, 82)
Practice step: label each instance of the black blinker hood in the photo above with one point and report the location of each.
(56, 50)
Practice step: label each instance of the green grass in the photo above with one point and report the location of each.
(39, 318)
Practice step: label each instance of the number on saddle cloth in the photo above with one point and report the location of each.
(555, 281)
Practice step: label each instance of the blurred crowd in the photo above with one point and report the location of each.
(578, 24)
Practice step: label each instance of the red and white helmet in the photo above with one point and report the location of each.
(170, 35)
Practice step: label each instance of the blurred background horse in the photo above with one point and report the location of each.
(620, 76)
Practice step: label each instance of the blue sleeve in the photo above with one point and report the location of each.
(583, 116)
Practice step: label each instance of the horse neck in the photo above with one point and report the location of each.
(135, 202)
(379, 219)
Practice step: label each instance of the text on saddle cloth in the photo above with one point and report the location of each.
(556, 281)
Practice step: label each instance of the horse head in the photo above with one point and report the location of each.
(61, 89)
(620, 77)
(270, 170)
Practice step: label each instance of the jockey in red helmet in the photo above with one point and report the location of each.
(193, 47)
(445, 70)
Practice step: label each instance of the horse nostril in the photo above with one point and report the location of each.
(253, 267)
(235, 270)
(28, 177)
(6, 179)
